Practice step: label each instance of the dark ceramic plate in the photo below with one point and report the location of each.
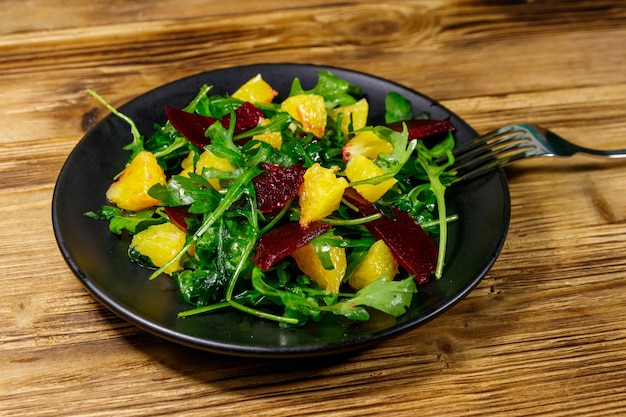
(98, 258)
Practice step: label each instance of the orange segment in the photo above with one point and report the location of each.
(378, 263)
(187, 165)
(273, 138)
(368, 144)
(320, 193)
(309, 263)
(255, 90)
(353, 113)
(160, 243)
(130, 191)
(360, 168)
(308, 109)
(209, 160)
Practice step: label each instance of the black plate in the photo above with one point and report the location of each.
(99, 260)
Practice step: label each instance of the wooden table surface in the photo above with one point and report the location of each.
(544, 333)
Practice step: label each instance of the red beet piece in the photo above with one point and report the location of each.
(247, 116)
(422, 128)
(282, 241)
(192, 125)
(178, 215)
(411, 247)
(276, 185)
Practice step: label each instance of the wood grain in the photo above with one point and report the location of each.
(543, 334)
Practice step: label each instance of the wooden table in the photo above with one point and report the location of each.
(543, 334)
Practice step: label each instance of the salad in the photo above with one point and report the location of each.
(287, 210)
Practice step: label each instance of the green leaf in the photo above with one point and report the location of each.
(323, 244)
(402, 149)
(194, 191)
(397, 108)
(200, 286)
(200, 98)
(418, 201)
(391, 297)
(220, 106)
(336, 91)
(120, 220)
(427, 159)
(277, 123)
(136, 145)
(443, 148)
(222, 144)
(298, 305)
(356, 257)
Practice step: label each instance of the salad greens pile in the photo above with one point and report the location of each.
(224, 226)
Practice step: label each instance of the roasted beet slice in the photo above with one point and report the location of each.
(192, 125)
(247, 116)
(422, 128)
(276, 185)
(178, 215)
(282, 241)
(412, 248)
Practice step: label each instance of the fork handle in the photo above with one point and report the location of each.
(566, 148)
(613, 153)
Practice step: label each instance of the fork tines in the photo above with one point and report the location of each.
(496, 148)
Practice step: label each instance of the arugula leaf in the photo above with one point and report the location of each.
(443, 148)
(402, 147)
(303, 302)
(219, 106)
(298, 307)
(120, 220)
(419, 202)
(196, 103)
(277, 123)
(193, 190)
(336, 91)
(323, 244)
(391, 297)
(397, 108)
(427, 159)
(200, 286)
(233, 244)
(136, 145)
(222, 144)
(218, 252)
(166, 147)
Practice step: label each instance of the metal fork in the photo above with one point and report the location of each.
(511, 143)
